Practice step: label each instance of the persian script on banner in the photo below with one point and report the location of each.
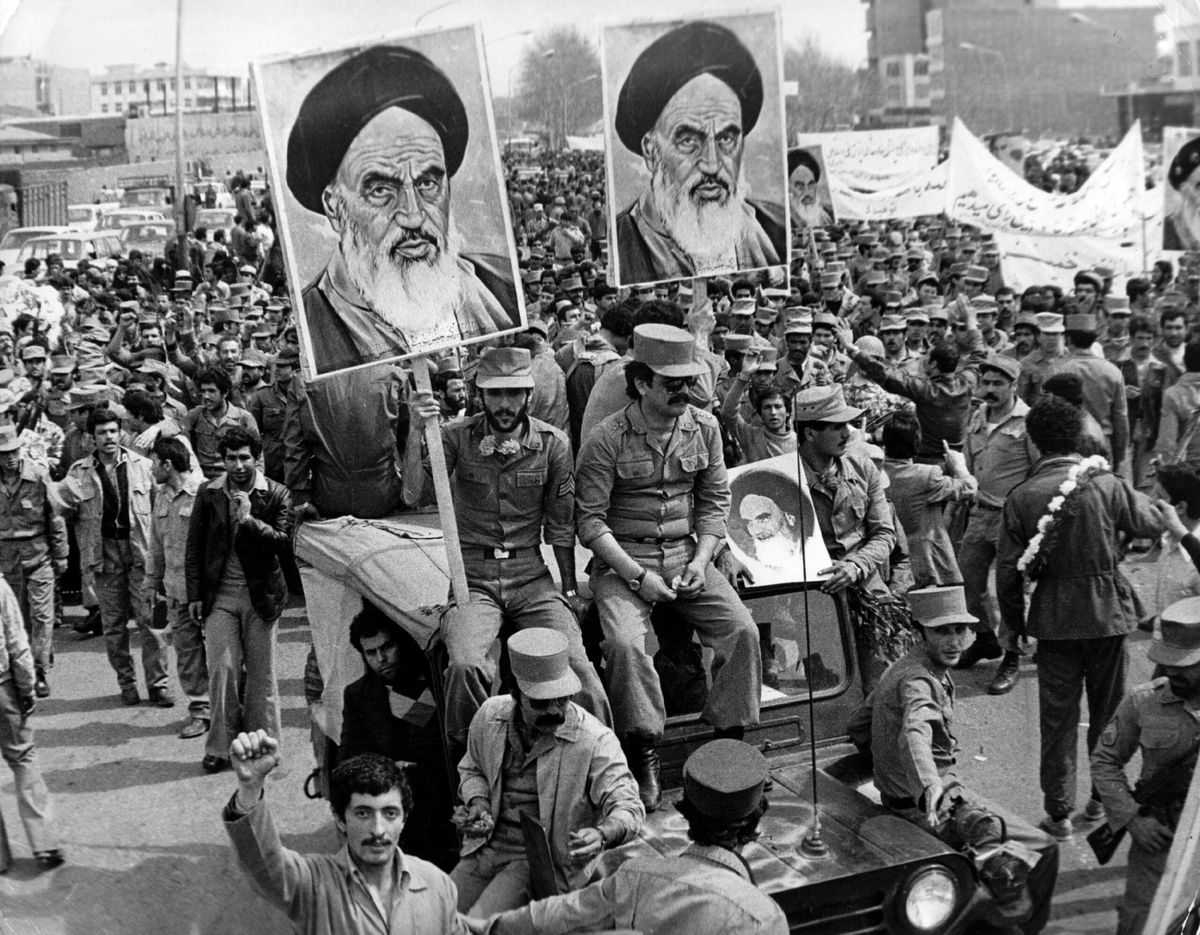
(872, 160)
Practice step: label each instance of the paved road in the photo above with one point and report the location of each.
(146, 853)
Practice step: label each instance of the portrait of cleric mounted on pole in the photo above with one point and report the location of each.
(390, 197)
(694, 136)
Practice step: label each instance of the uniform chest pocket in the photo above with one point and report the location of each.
(1160, 736)
(635, 469)
(692, 462)
(531, 479)
(471, 474)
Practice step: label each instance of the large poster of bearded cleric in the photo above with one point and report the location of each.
(390, 198)
(772, 526)
(695, 145)
(1181, 194)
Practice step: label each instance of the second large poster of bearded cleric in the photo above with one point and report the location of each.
(695, 145)
(390, 198)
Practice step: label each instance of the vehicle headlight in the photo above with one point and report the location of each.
(930, 899)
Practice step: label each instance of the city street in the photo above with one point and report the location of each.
(146, 853)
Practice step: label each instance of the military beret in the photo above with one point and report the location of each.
(674, 59)
(798, 157)
(350, 96)
(1184, 163)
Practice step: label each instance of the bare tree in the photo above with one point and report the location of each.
(559, 83)
(831, 93)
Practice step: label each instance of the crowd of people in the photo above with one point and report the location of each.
(158, 447)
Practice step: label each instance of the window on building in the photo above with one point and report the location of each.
(893, 69)
(104, 108)
(133, 87)
(1183, 59)
(103, 88)
(921, 67)
(187, 84)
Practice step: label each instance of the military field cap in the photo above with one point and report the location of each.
(350, 96)
(147, 319)
(1080, 321)
(880, 254)
(984, 303)
(668, 351)
(504, 368)
(958, 269)
(938, 312)
(770, 292)
(891, 299)
(87, 394)
(253, 358)
(724, 779)
(737, 342)
(263, 333)
(930, 278)
(917, 315)
(975, 274)
(939, 607)
(744, 307)
(866, 240)
(237, 289)
(1091, 277)
(1117, 305)
(1179, 644)
(765, 313)
(540, 662)
(33, 352)
(1007, 366)
(828, 248)
(182, 274)
(289, 357)
(823, 404)
(915, 253)
(800, 324)
(875, 277)
(768, 359)
(8, 398)
(825, 320)
(837, 266)
(130, 305)
(9, 440)
(830, 280)
(892, 323)
(572, 284)
(674, 59)
(1172, 299)
(1050, 323)
(150, 365)
(62, 363)
(540, 326)
(531, 278)
(1026, 319)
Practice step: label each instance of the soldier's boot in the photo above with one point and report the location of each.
(986, 646)
(643, 763)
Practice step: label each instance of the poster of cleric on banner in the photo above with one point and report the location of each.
(772, 524)
(809, 198)
(390, 198)
(1181, 193)
(695, 146)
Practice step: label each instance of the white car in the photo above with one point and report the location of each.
(10, 245)
(73, 246)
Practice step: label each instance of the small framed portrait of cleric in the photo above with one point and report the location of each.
(1181, 193)
(696, 148)
(809, 199)
(390, 198)
(772, 526)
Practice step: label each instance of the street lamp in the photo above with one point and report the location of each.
(984, 50)
(434, 9)
(566, 96)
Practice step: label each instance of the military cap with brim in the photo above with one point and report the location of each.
(62, 363)
(1028, 320)
(33, 352)
(9, 439)
(539, 326)
(93, 394)
(289, 357)
(831, 280)
(1007, 366)
(799, 325)
(976, 274)
(798, 157)
(892, 323)
(350, 96)
(1117, 305)
(540, 661)
(892, 299)
(939, 607)
(938, 313)
(768, 359)
(1050, 323)
(253, 358)
(1091, 277)
(504, 368)
(1179, 644)
(737, 342)
(668, 351)
(674, 59)
(1080, 321)
(823, 404)
(150, 365)
(918, 316)
(724, 779)
(1184, 163)
(742, 307)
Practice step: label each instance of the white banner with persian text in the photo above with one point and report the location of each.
(873, 160)
(987, 194)
(921, 196)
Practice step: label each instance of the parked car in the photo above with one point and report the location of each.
(122, 217)
(215, 219)
(15, 239)
(73, 246)
(86, 217)
(150, 237)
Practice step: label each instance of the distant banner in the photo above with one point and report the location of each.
(1032, 260)
(872, 160)
(987, 194)
(921, 196)
(1181, 189)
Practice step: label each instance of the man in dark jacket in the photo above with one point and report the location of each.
(238, 534)
(391, 711)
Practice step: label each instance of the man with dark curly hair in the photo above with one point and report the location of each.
(1082, 606)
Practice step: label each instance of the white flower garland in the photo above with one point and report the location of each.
(1078, 474)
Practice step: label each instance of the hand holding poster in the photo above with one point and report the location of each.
(394, 213)
(693, 124)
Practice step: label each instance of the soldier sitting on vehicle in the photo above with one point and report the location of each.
(1159, 719)
(907, 725)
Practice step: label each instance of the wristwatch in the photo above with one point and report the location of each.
(635, 584)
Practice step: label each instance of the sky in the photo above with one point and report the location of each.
(224, 35)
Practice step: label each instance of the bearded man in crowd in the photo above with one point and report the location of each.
(374, 147)
(685, 107)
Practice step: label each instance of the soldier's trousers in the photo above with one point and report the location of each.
(119, 594)
(976, 555)
(16, 746)
(1144, 872)
(33, 586)
(520, 589)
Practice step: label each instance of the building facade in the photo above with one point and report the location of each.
(29, 87)
(129, 89)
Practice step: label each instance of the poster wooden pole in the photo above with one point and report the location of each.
(441, 487)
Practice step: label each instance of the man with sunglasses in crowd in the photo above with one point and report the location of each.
(652, 498)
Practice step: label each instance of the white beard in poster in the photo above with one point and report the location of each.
(408, 293)
(708, 231)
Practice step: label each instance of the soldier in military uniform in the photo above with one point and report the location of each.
(56, 397)
(1162, 720)
(1038, 366)
(268, 405)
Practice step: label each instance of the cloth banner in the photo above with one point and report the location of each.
(987, 194)
(920, 196)
(872, 160)
(1029, 260)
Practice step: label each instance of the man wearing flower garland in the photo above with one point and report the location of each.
(511, 479)
(1082, 606)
